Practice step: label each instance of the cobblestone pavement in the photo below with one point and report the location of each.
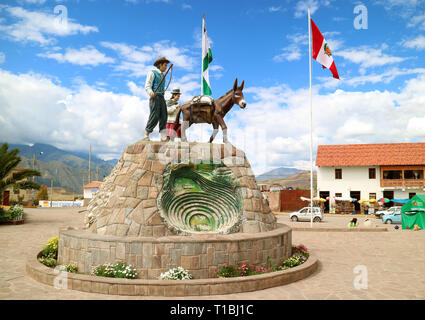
(394, 260)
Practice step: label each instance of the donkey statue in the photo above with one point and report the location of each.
(203, 109)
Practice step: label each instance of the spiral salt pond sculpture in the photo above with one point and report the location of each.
(199, 198)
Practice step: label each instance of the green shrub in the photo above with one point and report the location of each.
(49, 262)
(118, 270)
(69, 268)
(15, 212)
(49, 254)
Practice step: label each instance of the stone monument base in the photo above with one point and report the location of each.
(200, 254)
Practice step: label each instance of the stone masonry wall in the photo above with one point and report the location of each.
(125, 204)
(201, 255)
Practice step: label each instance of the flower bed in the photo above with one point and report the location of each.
(117, 270)
(299, 256)
(13, 215)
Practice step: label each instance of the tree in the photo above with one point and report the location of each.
(42, 194)
(9, 160)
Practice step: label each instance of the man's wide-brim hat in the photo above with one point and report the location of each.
(160, 60)
(176, 91)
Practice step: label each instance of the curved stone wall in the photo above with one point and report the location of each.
(127, 201)
(201, 254)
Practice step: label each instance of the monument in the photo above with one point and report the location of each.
(171, 204)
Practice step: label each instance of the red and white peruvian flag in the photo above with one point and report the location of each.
(321, 51)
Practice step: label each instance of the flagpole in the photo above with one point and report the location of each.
(311, 121)
(202, 57)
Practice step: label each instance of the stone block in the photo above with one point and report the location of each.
(137, 216)
(146, 179)
(156, 262)
(113, 289)
(122, 229)
(157, 180)
(251, 227)
(146, 231)
(121, 180)
(130, 190)
(137, 174)
(120, 251)
(126, 290)
(151, 216)
(158, 167)
(148, 165)
(256, 205)
(142, 192)
(153, 193)
(248, 205)
(156, 290)
(149, 203)
(159, 231)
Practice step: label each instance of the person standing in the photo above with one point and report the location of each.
(155, 88)
(173, 108)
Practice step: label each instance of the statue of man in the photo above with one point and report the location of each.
(157, 105)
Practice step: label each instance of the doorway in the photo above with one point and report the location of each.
(324, 195)
(356, 195)
(6, 196)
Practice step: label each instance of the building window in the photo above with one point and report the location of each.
(411, 195)
(338, 195)
(372, 173)
(372, 195)
(413, 174)
(392, 175)
(338, 173)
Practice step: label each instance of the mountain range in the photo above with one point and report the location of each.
(66, 169)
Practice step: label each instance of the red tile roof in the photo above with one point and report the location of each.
(381, 154)
(93, 184)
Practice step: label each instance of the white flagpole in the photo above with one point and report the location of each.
(311, 121)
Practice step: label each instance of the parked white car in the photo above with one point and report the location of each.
(379, 214)
(305, 214)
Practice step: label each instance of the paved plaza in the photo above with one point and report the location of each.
(394, 261)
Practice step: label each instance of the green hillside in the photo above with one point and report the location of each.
(68, 169)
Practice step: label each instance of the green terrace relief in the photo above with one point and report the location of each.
(199, 198)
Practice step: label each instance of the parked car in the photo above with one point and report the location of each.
(393, 217)
(304, 214)
(380, 213)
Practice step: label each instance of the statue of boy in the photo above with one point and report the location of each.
(173, 107)
(157, 106)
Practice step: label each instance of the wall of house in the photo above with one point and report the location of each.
(353, 179)
(357, 179)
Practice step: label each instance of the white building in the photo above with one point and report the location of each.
(367, 171)
(91, 189)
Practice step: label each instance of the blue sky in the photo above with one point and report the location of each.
(78, 77)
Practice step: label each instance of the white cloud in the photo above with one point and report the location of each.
(40, 27)
(293, 50)
(384, 77)
(85, 56)
(302, 7)
(274, 9)
(139, 60)
(2, 57)
(417, 43)
(186, 6)
(69, 119)
(368, 57)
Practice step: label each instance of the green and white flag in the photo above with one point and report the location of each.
(206, 60)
